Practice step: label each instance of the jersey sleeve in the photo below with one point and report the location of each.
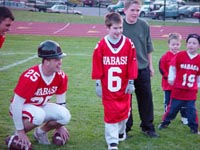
(133, 65)
(163, 68)
(27, 83)
(63, 80)
(2, 39)
(97, 63)
(174, 61)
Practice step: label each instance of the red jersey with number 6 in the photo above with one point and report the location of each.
(187, 69)
(114, 67)
(35, 90)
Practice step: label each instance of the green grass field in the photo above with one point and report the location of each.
(86, 127)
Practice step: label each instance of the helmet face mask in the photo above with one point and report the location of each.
(50, 50)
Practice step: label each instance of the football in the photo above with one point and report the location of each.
(58, 140)
(13, 143)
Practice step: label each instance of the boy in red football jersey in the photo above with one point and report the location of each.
(114, 68)
(184, 76)
(31, 107)
(174, 44)
(6, 20)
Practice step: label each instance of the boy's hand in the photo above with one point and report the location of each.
(130, 87)
(98, 88)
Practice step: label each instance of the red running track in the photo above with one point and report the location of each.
(90, 30)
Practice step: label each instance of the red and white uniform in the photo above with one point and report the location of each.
(39, 91)
(32, 94)
(187, 71)
(114, 67)
(164, 68)
(2, 39)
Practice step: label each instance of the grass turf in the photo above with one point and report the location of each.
(86, 126)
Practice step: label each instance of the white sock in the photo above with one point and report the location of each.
(40, 131)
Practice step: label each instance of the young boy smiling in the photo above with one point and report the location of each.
(184, 76)
(114, 67)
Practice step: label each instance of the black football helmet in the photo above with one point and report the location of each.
(50, 49)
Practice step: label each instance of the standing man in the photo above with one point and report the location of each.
(30, 106)
(138, 31)
(6, 20)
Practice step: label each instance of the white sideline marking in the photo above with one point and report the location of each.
(30, 58)
(12, 53)
(79, 54)
(59, 30)
(17, 63)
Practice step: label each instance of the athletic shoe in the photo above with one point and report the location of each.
(184, 120)
(162, 126)
(122, 137)
(195, 132)
(151, 134)
(42, 138)
(113, 146)
(128, 129)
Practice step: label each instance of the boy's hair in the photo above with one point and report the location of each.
(196, 36)
(113, 18)
(5, 13)
(127, 3)
(175, 36)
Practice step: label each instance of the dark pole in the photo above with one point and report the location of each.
(164, 10)
(177, 11)
(99, 7)
(67, 6)
(199, 12)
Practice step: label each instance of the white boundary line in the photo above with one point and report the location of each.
(79, 54)
(17, 63)
(59, 30)
(30, 58)
(12, 53)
